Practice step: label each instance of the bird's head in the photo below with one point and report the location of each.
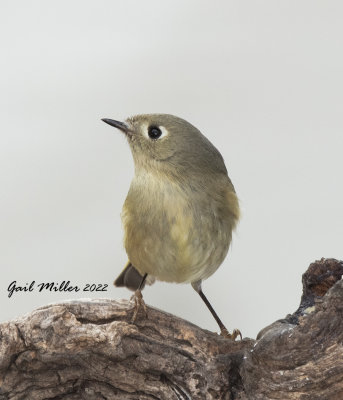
(166, 142)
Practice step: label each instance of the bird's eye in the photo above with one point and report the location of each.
(154, 132)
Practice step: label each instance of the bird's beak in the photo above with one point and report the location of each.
(117, 124)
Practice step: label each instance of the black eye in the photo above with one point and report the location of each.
(154, 132)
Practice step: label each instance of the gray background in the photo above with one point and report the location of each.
(261, 79)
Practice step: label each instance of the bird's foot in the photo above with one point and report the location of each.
(235, 333)
(139, 302)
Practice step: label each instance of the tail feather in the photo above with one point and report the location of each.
(130, 278)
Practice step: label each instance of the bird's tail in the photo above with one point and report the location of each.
(131, 278)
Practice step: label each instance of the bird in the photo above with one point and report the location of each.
(181, 208)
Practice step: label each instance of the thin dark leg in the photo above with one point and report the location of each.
(142, 282)
(215, 315)
(224, 332)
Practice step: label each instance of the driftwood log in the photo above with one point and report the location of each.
(91, 350)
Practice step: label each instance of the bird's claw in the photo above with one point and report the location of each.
(138, 303)
(235, 333)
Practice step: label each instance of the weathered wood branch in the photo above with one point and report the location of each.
(91, 350)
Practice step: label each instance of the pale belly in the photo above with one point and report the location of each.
(175, 241)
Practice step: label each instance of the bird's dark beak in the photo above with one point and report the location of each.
(117, 124)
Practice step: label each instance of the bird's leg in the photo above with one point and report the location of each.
(223, 331)
(138, 299)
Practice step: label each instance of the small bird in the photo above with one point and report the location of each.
(181, 207)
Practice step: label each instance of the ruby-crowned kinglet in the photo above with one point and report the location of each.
(181, 208)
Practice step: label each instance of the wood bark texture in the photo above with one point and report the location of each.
(91, 350)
